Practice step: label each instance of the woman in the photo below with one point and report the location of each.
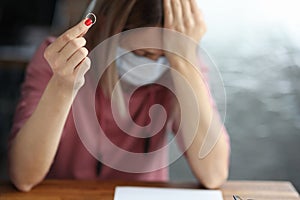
(44, 142)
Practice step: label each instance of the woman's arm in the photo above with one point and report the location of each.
(183, 16)
(212, 170)
(33, 149)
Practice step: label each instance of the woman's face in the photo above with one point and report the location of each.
(134, 40)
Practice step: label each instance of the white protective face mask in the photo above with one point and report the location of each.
(139, 70)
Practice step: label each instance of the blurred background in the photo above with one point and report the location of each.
(256, 46)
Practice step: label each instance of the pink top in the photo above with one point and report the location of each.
(73, 160)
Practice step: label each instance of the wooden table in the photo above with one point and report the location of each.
(67, 190)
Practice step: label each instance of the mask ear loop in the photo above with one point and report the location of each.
(92, 17)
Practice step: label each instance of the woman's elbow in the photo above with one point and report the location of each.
(215, 179)
(19, 184)
(23, 183)
(23, 187)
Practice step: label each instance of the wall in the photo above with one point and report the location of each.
(256, 47)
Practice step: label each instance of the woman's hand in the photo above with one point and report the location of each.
(67, 57)
(183, 16)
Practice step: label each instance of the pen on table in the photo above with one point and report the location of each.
(236, 197)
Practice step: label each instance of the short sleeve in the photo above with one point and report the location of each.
(37, 76)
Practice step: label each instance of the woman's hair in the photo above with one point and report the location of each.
(115, 16)
(145, 13)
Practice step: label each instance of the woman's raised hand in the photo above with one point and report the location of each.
(67, 57)
(185, 17)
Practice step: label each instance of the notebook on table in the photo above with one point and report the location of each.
(149, 193)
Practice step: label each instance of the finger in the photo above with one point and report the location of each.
(76, 58)
(83, 67)
(81, 70)
(194, 6)
(72, 47)
(176, 10)
(186, 8)
(168, 13)
(198, 15)
(77, 31)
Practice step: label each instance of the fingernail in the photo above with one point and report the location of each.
(88, 22)
(90, 19)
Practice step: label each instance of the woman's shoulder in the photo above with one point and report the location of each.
(38, 69)
(50, 39)
(47, 41)
(43, 46)
(38, 59)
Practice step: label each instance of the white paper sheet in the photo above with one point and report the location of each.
(143, 193)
